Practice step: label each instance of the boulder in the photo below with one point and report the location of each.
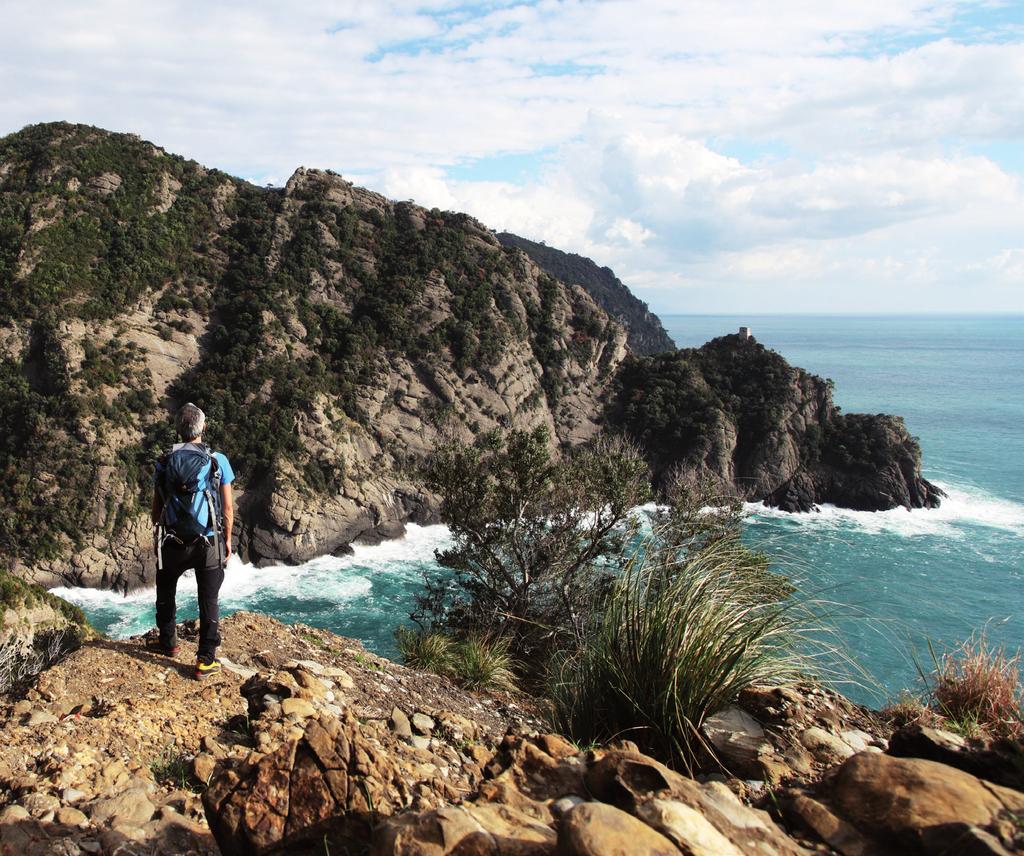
(741, 745)
(687, 827)
(598, 829)
(834, 831)
(482, 830)
(826, 747)
(623, 778)
(976, 758)
(912, 800)
(331, 784)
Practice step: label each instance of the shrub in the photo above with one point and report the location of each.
(531, 534)
(976, 686)
(674, 640)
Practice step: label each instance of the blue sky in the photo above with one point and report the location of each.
(720, 156)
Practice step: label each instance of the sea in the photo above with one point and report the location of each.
(891, 590)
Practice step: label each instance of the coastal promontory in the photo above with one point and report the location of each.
(333, 336)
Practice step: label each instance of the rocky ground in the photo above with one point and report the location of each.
(309, 744)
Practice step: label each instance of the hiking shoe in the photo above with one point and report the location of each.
(206, 666)
(158, 646)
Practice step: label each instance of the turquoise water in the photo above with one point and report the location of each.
(896, 578)
(905, 577)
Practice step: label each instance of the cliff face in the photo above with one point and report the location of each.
(330, 334)
(333, 336)
(645, 334)
(739, 415)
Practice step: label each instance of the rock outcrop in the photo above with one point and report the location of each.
(36, 629)
(308, 744)
(332, 336)
(111, 748)
(737, 415)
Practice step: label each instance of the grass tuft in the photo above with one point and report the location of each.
(174, 768)
(477, 662)
(428, 652)
(484, 664)
(908, 709)
(977, 688)
(675, 640)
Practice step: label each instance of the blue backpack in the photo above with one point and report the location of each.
(188, 481)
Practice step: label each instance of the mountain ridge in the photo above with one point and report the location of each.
(645, 333)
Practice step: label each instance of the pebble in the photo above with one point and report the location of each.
(297, 707)
(71, 816)
(12, 814)
(399, 723)
(422, 724)
(561, 806)
(41, 717)
(342, 678)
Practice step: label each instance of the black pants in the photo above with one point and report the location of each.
(178, 558)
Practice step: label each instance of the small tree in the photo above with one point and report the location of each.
(533, 534)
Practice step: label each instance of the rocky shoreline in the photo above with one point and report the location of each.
(307, 741)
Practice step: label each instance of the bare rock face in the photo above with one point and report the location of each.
(106, 183)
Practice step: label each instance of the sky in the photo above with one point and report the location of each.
(719, 156)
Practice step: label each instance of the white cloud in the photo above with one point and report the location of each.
(705, 142)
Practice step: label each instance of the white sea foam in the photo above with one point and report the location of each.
(335, 578)
(963, 506)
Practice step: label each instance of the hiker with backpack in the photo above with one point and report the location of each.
(193, 514)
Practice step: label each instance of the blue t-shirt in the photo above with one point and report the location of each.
(227, 475)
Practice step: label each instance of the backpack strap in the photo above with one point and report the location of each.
(213, 504)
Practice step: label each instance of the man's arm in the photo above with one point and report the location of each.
(158, 506)
(227, 502)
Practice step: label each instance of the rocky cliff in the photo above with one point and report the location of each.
(332, 336)
(308, 744)
(644, 331)
(738, 415)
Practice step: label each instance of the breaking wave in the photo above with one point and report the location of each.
(963, 508)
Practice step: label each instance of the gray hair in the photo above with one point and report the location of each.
(190, 422)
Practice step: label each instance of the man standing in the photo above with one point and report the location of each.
(193, 512)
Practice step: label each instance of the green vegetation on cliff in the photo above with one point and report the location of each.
(17, 594)
(132, 281)
(646, 335)
(83, 247)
